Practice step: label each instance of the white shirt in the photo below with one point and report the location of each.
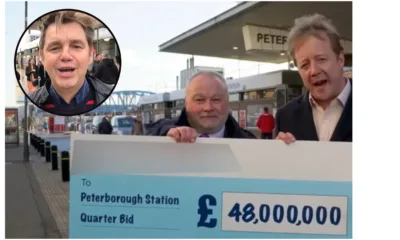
(326, 120)
(219, 134)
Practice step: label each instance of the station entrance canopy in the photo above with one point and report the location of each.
(257, 31)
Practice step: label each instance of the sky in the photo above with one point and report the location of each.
(139, 28)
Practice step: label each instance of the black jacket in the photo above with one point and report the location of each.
(100, 90)
(296, 117)
(105, 127)
(93, 70)
(106, 71)
(18, 75)
(28, 72)
(232, 128)
(41, 73)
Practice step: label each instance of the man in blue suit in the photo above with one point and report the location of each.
(324, 113)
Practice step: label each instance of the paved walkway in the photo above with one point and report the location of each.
(27, 213)
(37, 201)
(55, 191)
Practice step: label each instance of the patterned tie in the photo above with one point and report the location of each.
(204, 135)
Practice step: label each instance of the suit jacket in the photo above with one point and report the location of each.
(232, 128)
(296, 117)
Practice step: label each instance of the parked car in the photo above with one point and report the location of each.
(122, 125)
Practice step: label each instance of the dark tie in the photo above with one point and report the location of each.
(204, 135)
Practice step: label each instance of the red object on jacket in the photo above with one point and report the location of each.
(266, 123)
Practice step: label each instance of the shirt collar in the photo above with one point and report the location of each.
(79, 97)
(219, 134)
(342, 97)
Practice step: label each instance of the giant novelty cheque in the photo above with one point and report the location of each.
(151, 187)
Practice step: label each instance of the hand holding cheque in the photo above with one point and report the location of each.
(183, 134)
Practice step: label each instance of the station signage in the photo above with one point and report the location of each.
(235, 86)
(262, 38)
(270, 39)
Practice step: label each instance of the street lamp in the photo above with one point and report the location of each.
(26, 146)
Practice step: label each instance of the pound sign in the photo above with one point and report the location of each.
(204, 211)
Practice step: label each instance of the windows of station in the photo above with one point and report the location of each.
(265, 94)
(293, 92)
(158, 106)
(162, 105)
(254, 111)
(250, 95)
(234, 97)
(178, 103)
(168, 105)
(147, 117)
(175, 113)
(109, 45)
(168, 113)
(147, 106)
(280, 98)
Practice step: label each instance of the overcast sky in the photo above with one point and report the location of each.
(139, 27)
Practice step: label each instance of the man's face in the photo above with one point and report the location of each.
(320, 68)
(206, 104)
(66, 55)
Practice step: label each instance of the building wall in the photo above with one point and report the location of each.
(186, 74)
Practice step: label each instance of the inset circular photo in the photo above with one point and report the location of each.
(67, 62)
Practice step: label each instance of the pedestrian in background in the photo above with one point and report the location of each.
(266, 124)
(105, 126)
(137, 128)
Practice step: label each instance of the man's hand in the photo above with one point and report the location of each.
(183, 134)
(288, 138)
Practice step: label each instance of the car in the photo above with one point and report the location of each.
(122, 125)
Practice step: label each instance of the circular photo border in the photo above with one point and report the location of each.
(28, 28)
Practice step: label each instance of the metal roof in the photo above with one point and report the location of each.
(218, 36)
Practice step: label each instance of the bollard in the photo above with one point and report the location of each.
(42, 148)
(39, 139)
(38, 144)
(32, 140)
(65, 166)
(48, 151)
(54, 157)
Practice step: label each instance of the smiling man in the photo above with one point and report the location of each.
(206, 112)
(324, 113)
(66, 50)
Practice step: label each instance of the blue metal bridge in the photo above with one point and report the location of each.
(118, 101)
(121, 101)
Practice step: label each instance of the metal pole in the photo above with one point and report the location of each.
(97, 43)
(26, 146)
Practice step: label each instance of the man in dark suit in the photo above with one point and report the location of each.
(324, 113)
(206, 112)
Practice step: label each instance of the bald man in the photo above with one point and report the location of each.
(206, 112)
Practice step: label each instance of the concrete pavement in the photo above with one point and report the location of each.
(55, 191)
(27, 212)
